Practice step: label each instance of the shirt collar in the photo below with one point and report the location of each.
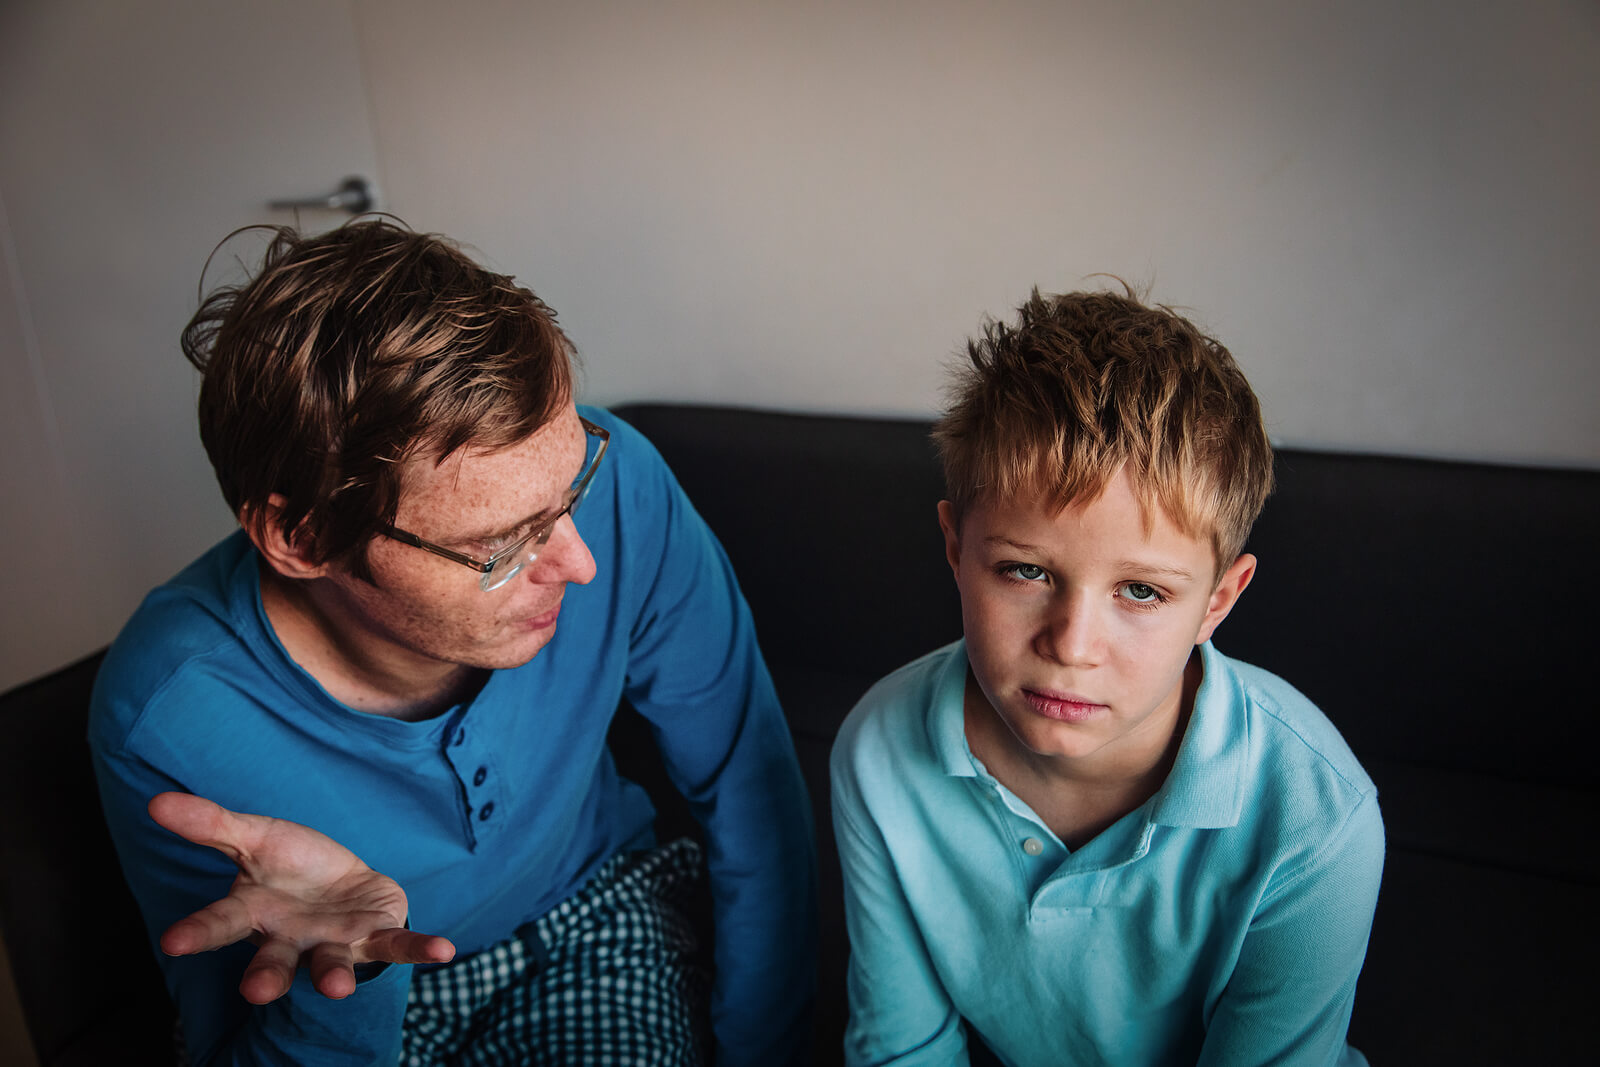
(1206, 785)
(947, 723)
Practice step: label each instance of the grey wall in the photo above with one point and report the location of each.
(1386, 210)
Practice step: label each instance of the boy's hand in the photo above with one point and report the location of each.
(305, 899)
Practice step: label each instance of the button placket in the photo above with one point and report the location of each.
(476, 778)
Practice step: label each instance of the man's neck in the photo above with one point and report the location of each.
(356, 669)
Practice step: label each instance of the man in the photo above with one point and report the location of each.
(447, 577)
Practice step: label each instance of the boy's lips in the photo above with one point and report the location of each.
(1065, 707)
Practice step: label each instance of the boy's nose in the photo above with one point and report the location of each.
(1071, 634)
(565, 557)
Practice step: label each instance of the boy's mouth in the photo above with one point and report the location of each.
(1064, 707)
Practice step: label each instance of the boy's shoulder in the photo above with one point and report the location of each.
(1294, 727)
(1262, 757)
(892, 719)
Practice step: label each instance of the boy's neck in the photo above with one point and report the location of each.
(1078, 797)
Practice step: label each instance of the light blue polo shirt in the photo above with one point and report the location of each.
(1222, 922)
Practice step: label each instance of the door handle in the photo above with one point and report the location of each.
(355, 195)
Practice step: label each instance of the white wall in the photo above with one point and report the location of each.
(1387, 211)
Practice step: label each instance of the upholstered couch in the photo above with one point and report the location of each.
(1436, 611)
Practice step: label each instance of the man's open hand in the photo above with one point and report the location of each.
(302, 897)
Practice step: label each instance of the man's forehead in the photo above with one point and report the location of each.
(547, 455)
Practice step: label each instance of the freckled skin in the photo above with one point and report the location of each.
(1049, 605)
(422, 625)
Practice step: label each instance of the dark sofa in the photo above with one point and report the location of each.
(1425, 606)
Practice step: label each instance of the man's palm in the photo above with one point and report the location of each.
(302, 897)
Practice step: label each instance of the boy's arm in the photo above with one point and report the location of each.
(899, 1011)
(1289, 998)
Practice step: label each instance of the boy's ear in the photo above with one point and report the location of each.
(287, 553)
(1226, 595)
(952, 535)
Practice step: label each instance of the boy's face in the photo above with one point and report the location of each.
(1079, 625)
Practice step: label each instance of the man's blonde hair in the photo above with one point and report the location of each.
(1086, 384)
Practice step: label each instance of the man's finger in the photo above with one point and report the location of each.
(333, 970)
(271, 972)
(206, 823)
(213, 926)
(398, 945)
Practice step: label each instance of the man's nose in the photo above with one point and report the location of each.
(565, 557)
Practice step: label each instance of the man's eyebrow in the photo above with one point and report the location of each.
(500, 531)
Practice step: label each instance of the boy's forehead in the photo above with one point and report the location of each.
(1119, 500)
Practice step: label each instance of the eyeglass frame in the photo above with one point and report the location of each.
(537, 538)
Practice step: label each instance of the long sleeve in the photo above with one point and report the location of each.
(1289, 998)
(899, 1011)
(695, 672)
(171, 878)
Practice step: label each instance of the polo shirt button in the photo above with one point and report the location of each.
(486, 811)
(1032, 846)
(477, 779)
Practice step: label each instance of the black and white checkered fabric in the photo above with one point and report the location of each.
(607, 977)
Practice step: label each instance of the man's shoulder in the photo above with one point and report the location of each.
(186, 635)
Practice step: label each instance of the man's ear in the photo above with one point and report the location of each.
(1226, 595)
(952, 535)
(289, 554)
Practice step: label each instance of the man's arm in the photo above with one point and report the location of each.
(313, 910)
(899, 1011)
(696, 673)
(1289, 998)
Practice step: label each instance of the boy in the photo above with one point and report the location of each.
(1082, 829)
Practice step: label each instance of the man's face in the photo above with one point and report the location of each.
(426, 608)
(1079, 625)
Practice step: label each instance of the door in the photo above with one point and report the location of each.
(132, 138)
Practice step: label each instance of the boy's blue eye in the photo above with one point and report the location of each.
(1140, 593)
(1027, 572)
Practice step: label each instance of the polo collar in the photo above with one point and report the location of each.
(1206, 786)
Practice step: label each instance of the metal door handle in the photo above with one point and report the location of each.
(355, 195)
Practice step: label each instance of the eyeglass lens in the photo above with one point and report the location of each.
(510, 564)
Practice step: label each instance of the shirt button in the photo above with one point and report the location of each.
(1032, 846)
(461, 736)
(477, 779)
(486, 811)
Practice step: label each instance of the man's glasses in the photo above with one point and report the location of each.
(507, 563)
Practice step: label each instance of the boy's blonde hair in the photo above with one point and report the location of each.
(1085, 384)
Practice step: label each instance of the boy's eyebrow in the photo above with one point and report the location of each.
(1154, 569)
(997, 539)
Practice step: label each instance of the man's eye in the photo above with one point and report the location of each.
(495, 545)
(1140, 593)
(1027, 572)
